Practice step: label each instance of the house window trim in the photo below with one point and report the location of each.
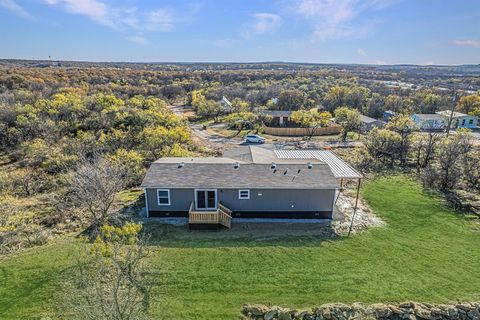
(240, 194)
(158, 197)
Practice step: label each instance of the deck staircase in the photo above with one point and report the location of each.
(222, 216)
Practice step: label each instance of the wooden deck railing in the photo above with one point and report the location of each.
(220, 216)
(224, 216)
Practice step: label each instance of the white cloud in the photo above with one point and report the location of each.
(93, 9)
(338, 18)
(264, 22)
(361, 52)
(468, 43)
(14, 7)
(261, 23)
(128, 20)
(160, 20)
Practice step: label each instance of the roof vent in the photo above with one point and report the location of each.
(237, 165)
(181, 165)
(309, 165)
(274, 166)
(299, 171)
(285, 173)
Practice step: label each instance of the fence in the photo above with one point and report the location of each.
(300, 132)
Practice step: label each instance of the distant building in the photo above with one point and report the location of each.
(370, 123)
(387, 115)
(429, 121)
(459, 120)
(226, 104)
(280, 118)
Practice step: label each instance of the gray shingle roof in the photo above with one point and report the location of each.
(249, 175)
(277, 113)
(367, 119)
(428, 116)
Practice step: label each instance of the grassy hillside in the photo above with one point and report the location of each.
(425, 253)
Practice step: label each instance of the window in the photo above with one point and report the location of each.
(163, 197)
(470, 121)
(243, 194)
(463, 122)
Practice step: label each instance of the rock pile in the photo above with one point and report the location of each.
(356, 311)
(364, 218)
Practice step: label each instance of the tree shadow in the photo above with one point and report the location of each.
(241, 235)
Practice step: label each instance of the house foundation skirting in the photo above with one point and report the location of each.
(166, 214)
(283, 214)
(254, 214)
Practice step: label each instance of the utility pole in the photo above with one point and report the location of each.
(454, 99)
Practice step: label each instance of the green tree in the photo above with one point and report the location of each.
(336, 97)
(240, 120)
(311, 119)
(291, 99)
(159, 140)
(198, 100)
(470, 104)
(349, 119)
(239, 105)
(211, 109)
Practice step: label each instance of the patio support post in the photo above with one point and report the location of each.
(356, 206)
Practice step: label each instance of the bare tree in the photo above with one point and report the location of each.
(93, 186)
(424, 148)
(404, 126)
(471, 169)
(452, 151)
(111, 281)
(383, 146)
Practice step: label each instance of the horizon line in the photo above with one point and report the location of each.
(241, 62)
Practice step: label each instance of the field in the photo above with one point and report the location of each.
(426, 253)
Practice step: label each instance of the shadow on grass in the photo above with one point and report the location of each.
(241, 235)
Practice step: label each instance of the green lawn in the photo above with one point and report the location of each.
(425, 253)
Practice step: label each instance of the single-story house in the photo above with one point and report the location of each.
(280, 118)
(370, 123)
(459, 120)
(429, 121)
(248, 182)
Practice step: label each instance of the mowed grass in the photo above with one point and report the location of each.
(426, 253)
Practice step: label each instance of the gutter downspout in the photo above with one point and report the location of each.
(146, 202)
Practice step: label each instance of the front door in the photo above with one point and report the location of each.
(206, 199)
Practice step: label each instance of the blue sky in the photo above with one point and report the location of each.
(321, 31)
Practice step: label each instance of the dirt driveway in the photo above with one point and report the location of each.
(207, 137)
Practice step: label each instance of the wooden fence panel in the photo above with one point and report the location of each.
(301, 132)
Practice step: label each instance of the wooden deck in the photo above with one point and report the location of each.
(221, 216)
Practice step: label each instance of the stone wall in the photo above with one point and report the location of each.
(403, 311)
